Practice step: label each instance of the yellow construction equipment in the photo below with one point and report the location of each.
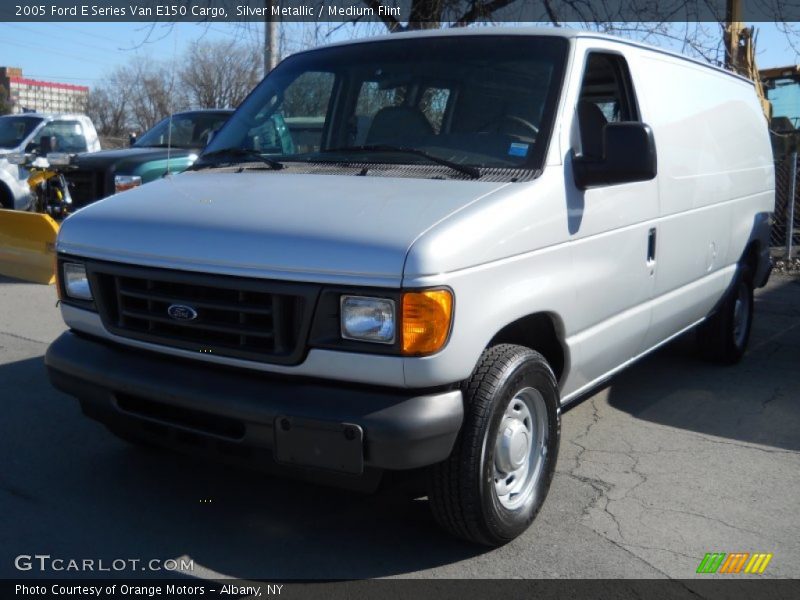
(740, 52)
(27, 245)
(27, 239)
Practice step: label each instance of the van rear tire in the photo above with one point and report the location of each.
(723, 337)
(496, 479)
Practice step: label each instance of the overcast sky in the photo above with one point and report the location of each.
(83, 53)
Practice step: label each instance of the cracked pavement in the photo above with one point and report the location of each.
(673, 459)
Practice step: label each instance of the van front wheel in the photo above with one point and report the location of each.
(493, 484)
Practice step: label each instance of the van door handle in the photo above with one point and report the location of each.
(651, 246)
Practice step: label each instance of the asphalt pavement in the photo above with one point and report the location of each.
(673, 459)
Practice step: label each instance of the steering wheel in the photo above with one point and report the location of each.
(516, 123)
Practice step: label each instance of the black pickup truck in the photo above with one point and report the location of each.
(172, 145)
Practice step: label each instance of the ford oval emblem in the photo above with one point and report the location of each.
(181, 312)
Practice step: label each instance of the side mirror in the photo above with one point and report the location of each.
(32, 147)
(629, 155)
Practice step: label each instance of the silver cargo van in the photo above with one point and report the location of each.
(480, 228)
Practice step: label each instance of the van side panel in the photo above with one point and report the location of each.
(516, 242)
(715, 172)
(608, 232)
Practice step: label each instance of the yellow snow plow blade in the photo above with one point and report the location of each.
(27, 245)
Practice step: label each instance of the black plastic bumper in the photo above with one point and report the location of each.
(234, 409)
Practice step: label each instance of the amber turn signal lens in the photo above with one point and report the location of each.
(426, 320)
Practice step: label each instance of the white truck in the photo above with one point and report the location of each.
(21, 133)
(486, 226)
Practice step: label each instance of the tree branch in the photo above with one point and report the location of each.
(481, 10)
(392, 24)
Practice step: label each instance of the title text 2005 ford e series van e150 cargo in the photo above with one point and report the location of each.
(476, 229)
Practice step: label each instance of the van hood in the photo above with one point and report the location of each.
(301, 227)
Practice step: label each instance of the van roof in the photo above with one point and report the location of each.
(562, 32)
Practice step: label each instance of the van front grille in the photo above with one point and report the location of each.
(217, 315)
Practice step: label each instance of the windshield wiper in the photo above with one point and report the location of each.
(468, 170)
(233, 153)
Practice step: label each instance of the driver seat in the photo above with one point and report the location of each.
(393, 124)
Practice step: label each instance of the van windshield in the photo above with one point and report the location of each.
(477, 101)
(14, 130)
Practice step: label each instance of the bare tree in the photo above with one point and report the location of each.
(219, 74)
(108, 108)
(154, 91)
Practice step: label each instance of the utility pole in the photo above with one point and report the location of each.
(270, 38)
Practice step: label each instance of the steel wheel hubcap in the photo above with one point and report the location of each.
(520, 448)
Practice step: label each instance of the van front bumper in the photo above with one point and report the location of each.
(298, 422)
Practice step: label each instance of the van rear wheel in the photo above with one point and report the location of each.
(723, 337)
(495, 481)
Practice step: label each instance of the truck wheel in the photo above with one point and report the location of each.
(723, 337)
(493, 484)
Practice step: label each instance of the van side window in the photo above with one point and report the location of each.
(607, 96)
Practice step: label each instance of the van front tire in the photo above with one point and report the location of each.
(723, 337)
(495, 481)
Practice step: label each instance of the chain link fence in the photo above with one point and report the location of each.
(785, 235)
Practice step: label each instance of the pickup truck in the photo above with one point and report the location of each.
(22, 133)
(169, 146)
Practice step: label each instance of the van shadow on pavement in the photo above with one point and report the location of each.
(755, 401)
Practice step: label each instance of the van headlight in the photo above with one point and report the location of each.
(126, 182)
(368, 319)
(76, 282)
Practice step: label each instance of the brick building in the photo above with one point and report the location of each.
(41, 96)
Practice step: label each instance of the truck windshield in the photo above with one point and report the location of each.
(475, 101)
(14, 130)
(189, 130)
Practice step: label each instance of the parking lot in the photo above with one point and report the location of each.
(673, 459)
